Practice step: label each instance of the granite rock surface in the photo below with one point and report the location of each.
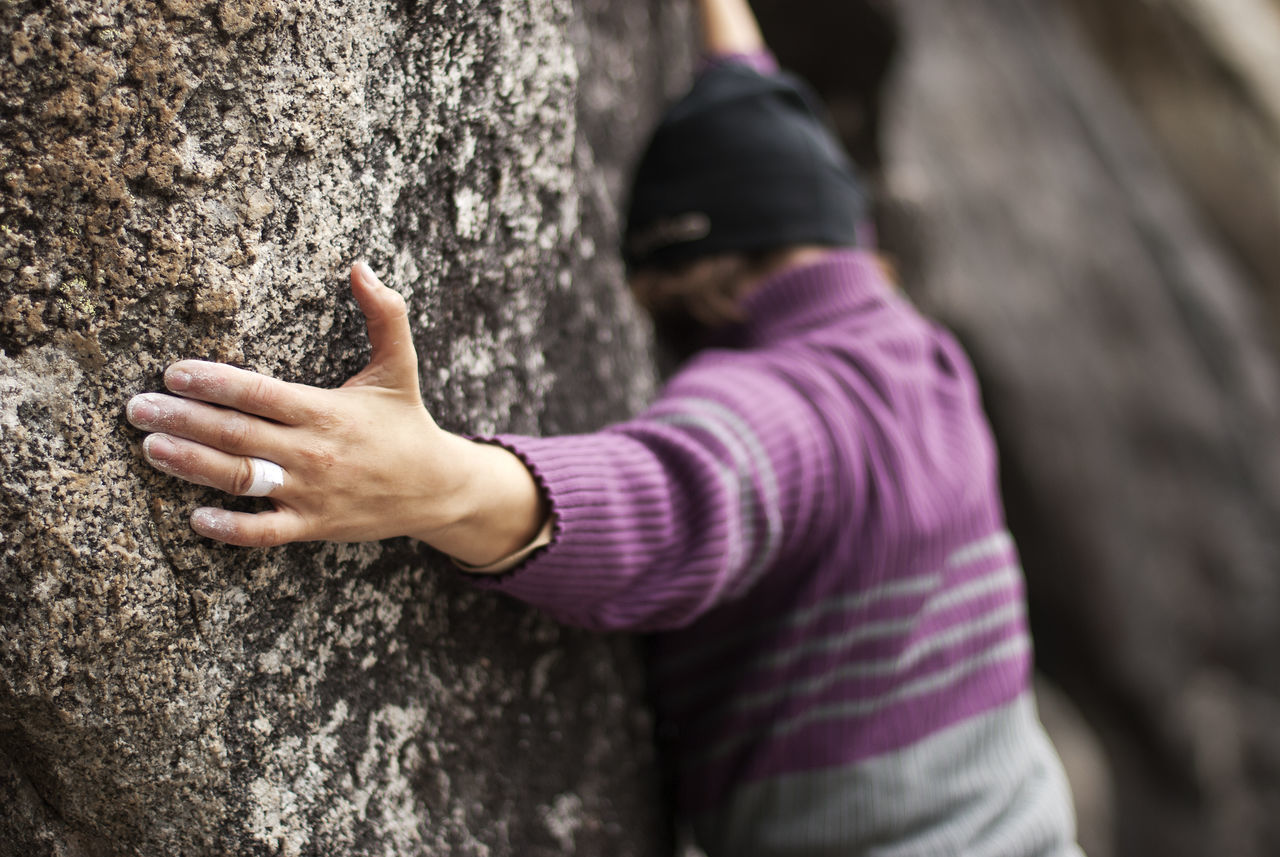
(192, 179)
(1205, 77)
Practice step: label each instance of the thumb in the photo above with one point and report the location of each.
(394, 362)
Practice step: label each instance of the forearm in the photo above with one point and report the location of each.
(729, 27)
(663, 517)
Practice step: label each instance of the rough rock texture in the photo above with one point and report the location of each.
(1205, 74)
(191, 179)
(1132, 383)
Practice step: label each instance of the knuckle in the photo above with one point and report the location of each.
(275, 530)
(267, 536)
(233, 433)
(318, 457)
(242, 478)
(327, 419)
(260, 392)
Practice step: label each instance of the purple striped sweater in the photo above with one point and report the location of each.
(810, 518)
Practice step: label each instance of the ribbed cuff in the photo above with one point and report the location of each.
(637, 542)
(762, 61)
(581, 476)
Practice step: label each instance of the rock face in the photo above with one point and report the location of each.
(1135, 393)
(1205, 75)
(191, 179)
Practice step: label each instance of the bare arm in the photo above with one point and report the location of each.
(729, 27)
(361, 462)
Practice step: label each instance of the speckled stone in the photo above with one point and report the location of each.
(192, 179)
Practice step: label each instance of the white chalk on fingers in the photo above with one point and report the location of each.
(214, 523)
(267, 477)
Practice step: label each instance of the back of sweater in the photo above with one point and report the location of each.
(811, 519)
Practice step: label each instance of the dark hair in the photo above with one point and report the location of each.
(690, 303)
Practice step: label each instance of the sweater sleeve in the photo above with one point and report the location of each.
(763, 61)
(660, 518)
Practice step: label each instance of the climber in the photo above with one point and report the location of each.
(807, 519)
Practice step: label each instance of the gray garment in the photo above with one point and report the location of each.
(991, 786)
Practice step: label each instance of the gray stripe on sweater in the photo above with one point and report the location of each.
(877, 667)
(1002, 578)
(757, 460)
(749, 458)
(740, 531)
(991, 786)
(985, 548)
(847, 709)
(995, 581)
(993, 545)
(740, 536)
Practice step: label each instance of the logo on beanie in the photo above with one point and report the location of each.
(681, 229)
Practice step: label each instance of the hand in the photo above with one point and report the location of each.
(361, 462)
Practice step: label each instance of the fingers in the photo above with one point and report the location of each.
(245, 391)
(227, 430)
(394, 362)
(203, 465)
(234, 474)
(261, 530)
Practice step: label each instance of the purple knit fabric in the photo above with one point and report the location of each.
(810, 517)
(762, 61)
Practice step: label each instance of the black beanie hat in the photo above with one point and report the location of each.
(740, 164)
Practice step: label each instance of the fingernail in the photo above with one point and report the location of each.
(177, 379)
(158, 448)
(141, 410)
(366, 274)
(214, 523)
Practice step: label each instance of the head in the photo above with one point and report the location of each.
(691, 303)
(709, 291)
(740, 180)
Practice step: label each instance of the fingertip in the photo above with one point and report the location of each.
(213, 523)
(177, 378)
(158, 448)
(189, 364)
(376, 299)
(181, 375)
(136, 410)
(361, 271)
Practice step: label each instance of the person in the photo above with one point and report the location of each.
(807, 519)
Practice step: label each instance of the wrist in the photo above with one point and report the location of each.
(494, 509)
